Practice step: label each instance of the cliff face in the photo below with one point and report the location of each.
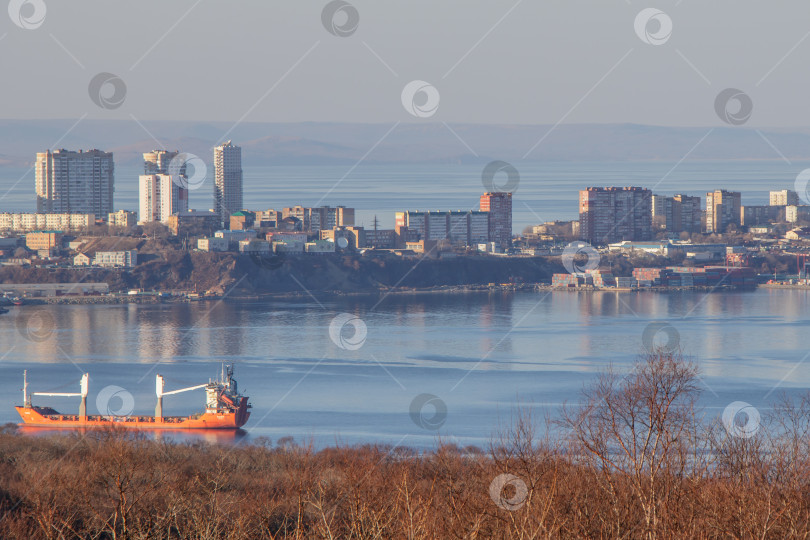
(186, 271)
(353, 273)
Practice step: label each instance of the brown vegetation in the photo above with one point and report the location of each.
(634, 459)
(174, 269)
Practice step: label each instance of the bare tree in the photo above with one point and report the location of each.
(639, 429)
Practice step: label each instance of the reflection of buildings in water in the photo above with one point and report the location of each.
(495, 317)
(34, 338)
(714, 323)
(201, 329)
(156, 331)
(792, 309)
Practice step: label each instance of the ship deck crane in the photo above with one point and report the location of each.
(82, 393)
(159, 392)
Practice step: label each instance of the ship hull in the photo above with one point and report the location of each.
(37, 417)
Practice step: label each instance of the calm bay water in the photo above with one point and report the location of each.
(480, 353)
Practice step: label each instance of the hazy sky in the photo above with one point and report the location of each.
(538, 62)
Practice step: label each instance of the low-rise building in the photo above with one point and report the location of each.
(273, 236)
(45, 243)
(663, 248)
(193, 221)
(705, 252)
(23, 222)
(212, 244)
(288, 246)
(254, 245)
(320, 247)
(761, 229)
(82, 259)
(345, 237)
(122, 218)
(116, 259)
(380, 238)
(242, 220)
(667, 248)
(799, 233)
(423, 246)
(490, 247)
(53, 289)
(234, 237)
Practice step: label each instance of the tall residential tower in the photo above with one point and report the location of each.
(75, 182)
(723, 208)
(228, 180)
(613, 214)
(499, 206)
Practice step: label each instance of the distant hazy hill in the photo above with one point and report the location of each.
(336, 143)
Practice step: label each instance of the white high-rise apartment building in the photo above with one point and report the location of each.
(160, 197)
(157, 162)
(228, 180)
(70, 182)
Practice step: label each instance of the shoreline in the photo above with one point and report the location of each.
(455, 289)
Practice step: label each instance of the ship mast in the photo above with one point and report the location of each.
(159, 383)
(26, 398)
(82, 393)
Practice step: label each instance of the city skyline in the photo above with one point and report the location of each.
(228, 157)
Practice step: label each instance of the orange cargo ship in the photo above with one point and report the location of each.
(225, 408)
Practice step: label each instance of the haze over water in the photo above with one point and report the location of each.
(480, 353)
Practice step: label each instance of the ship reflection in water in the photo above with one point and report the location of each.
(211, 436)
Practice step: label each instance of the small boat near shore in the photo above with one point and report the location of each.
(225, 408)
